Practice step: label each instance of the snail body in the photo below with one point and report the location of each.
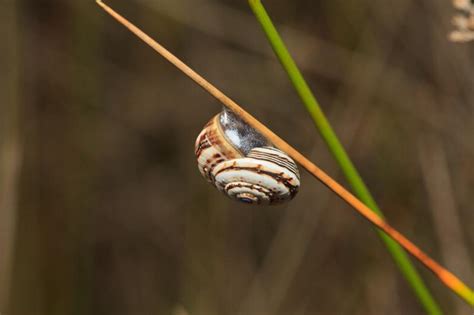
(241, 163)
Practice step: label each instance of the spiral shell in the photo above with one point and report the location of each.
(241, 163)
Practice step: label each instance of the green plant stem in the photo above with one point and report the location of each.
(399, 255)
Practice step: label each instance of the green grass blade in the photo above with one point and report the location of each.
(360, 189)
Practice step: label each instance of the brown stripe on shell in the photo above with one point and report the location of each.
(278, 177)
(277, 155)
(212, 148)
(204, 144)
(201, 143)
(279, 160)
(266, 192)
(212, 164)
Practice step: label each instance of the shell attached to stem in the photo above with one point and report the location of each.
(241, 163)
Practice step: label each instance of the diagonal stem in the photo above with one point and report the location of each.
(446, 277)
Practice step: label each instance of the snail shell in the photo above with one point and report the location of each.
(241, 163)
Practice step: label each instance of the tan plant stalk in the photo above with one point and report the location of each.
(446, 277)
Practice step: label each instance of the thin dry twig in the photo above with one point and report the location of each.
(446, 277)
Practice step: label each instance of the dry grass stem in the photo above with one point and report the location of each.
(449, 279)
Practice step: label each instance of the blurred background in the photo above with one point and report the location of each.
(103, 210)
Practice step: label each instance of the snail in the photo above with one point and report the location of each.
(243, 164)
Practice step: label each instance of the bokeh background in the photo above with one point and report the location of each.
(103, 210)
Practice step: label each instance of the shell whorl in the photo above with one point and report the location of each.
(242, 163)
(212, 148)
